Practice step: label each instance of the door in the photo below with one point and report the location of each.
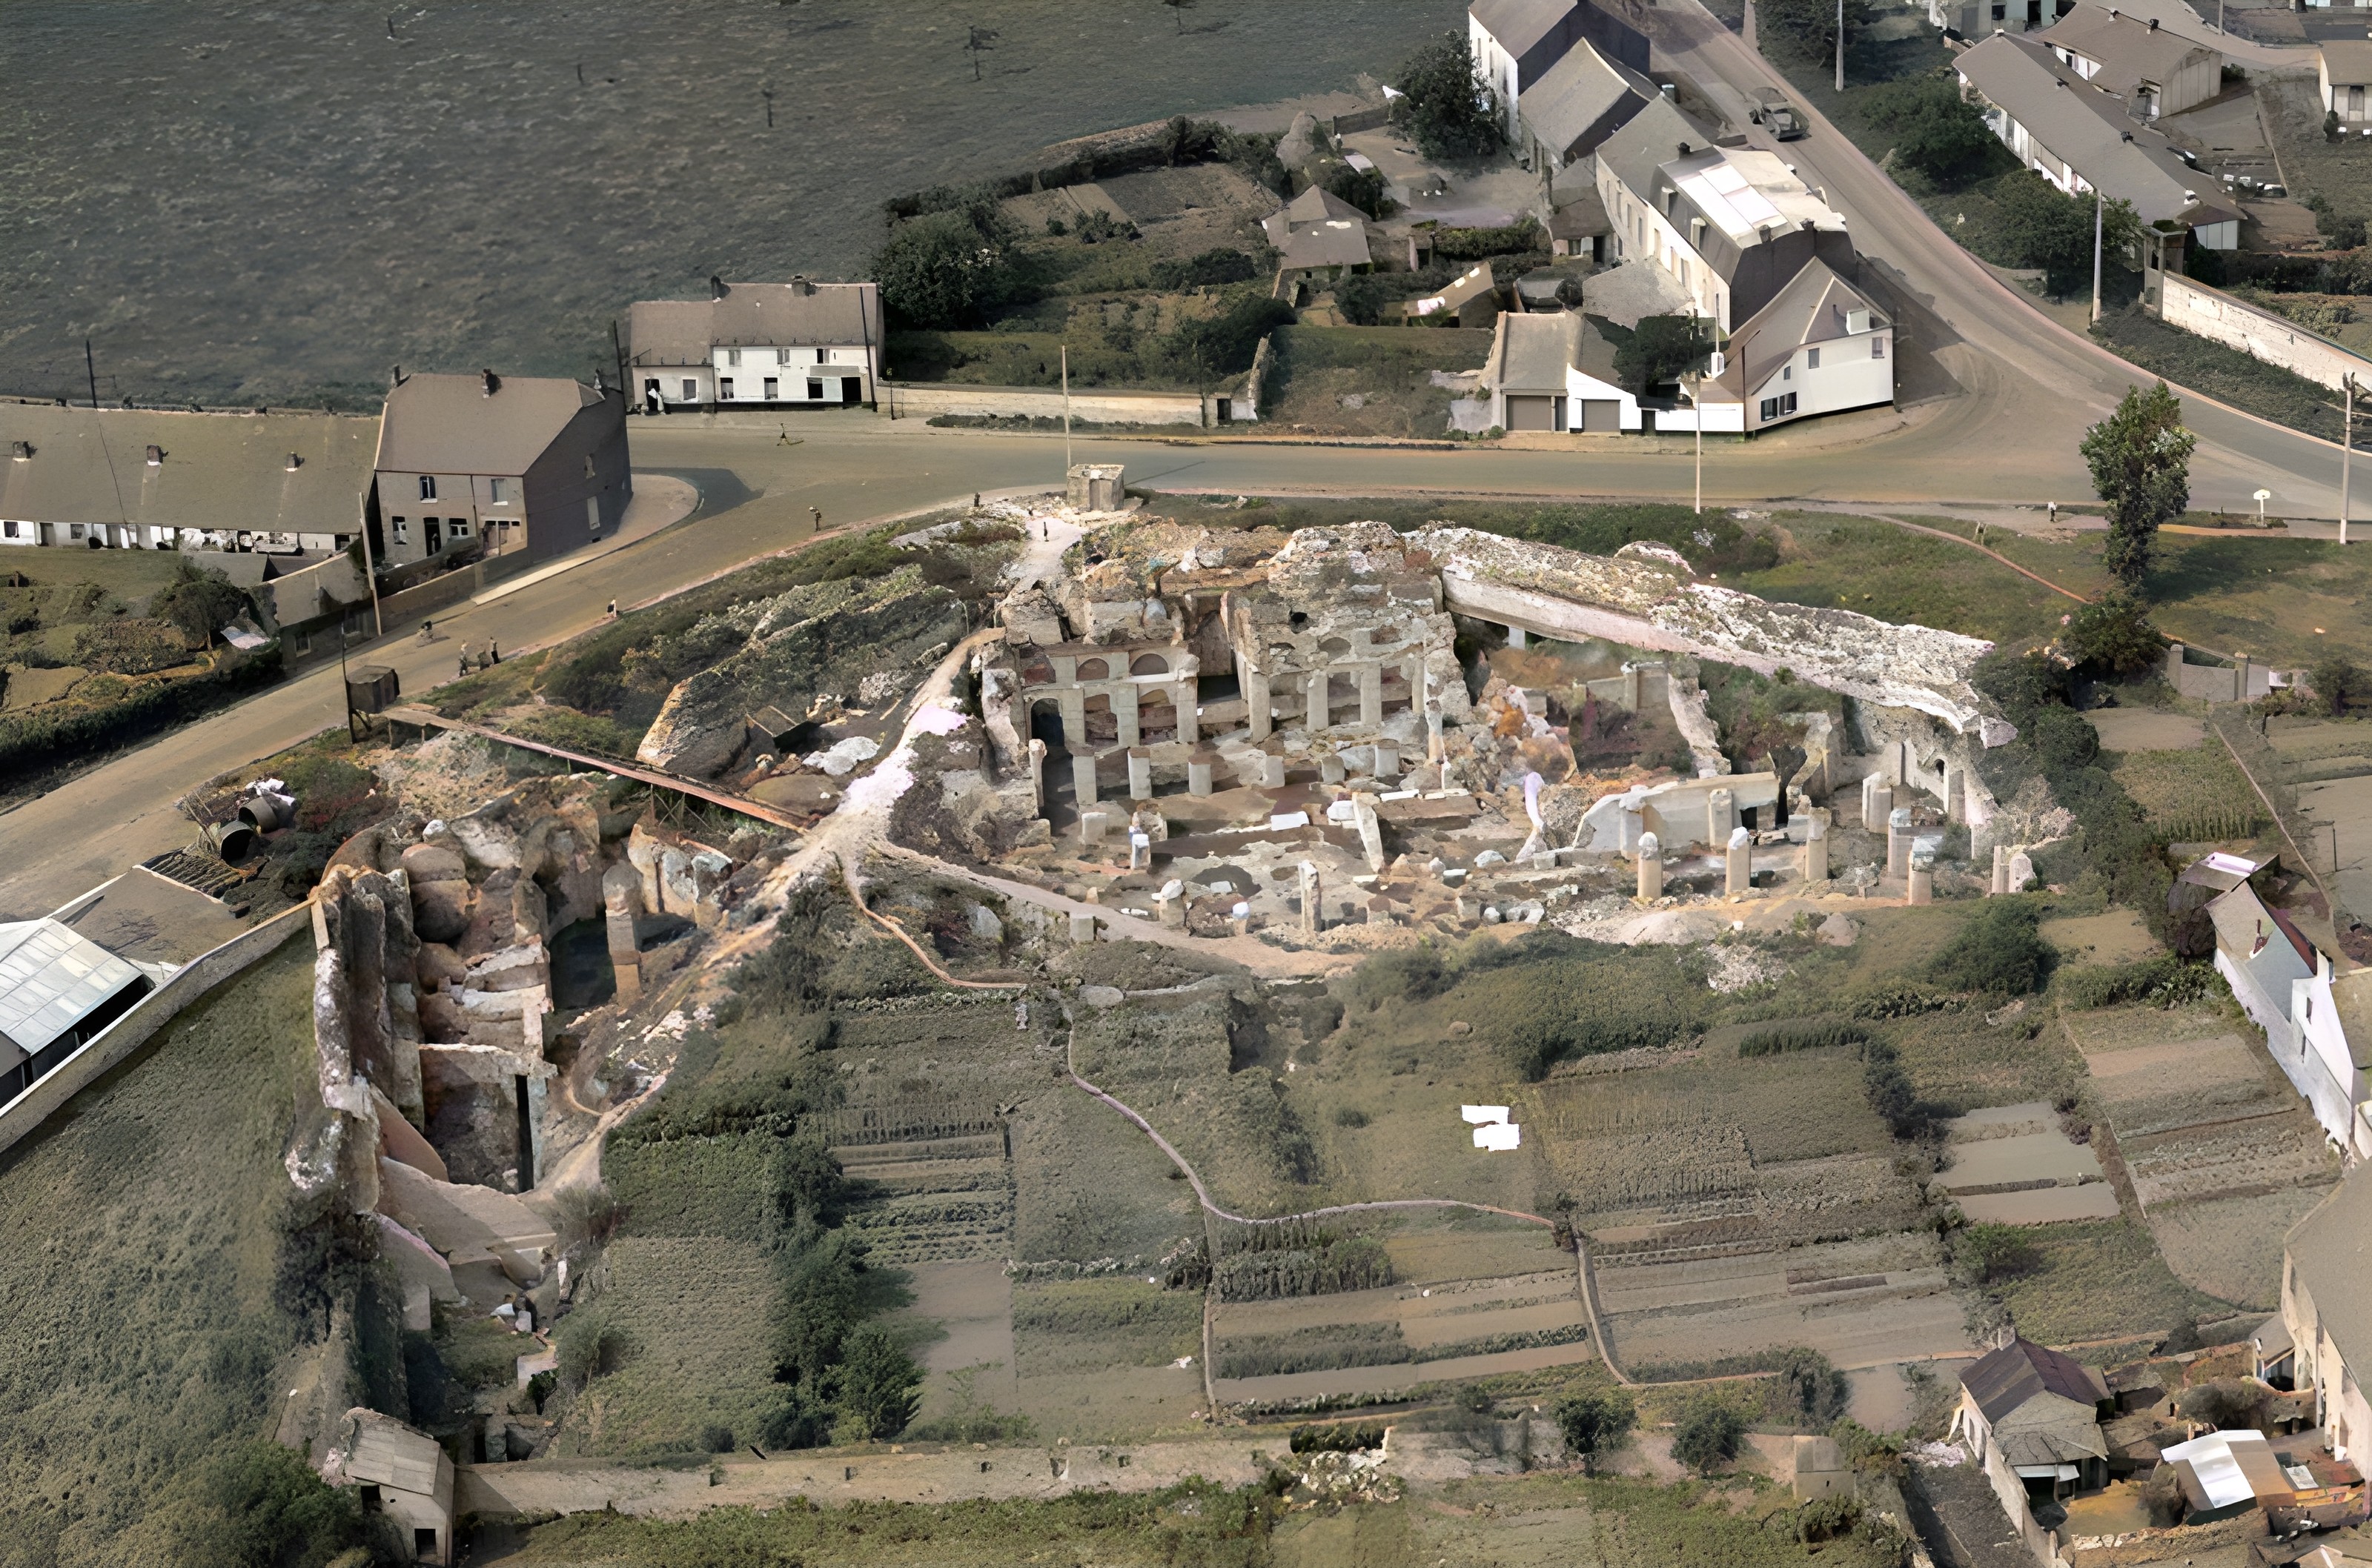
(1531, 412)
(1601, 413)
(815, 391)
(432, 529)
(773, 390)
(2356, 103)
(848, 390)
(650, 394)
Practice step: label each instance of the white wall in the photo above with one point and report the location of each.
(1663, 243)
(2213, 314)
(1846, 378)
(1496, 70)
(748, 377)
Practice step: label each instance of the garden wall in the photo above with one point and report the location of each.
(2219, 318)
(922, 401)
(150, 1014)
(2216, 683)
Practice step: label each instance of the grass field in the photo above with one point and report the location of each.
(1864, 564)
(2226, 374)
(2098, 1279)
(1370, 380)
(144, 1230)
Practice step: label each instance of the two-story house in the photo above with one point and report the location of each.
(2326, 1279)
(1819, 346)
(1733, 225)
(498, 463)
(1516, 45)
(796, 345)
(2155, 71)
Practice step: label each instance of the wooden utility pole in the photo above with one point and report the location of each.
(1840, 45)
(1066, 414)
(2100, 209)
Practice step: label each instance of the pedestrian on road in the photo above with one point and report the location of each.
(2054, 514)
(493, 651)
(428, 631)
(613, 610)
(816, 515)
(465, 661)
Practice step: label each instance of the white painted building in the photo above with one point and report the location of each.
(1821, 347)
(1516, 45)
(798, 344)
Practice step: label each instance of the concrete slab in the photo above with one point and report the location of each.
(151, 919)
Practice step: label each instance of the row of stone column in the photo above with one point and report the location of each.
(1260, 693)
(1812, 859)
(1073, 705)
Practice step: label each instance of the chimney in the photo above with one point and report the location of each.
(1684, 149)
(802, 285)
(295, 463)
(2152, 24)
(715, 287)
(493, 382)
(395, 377)
(23, 451)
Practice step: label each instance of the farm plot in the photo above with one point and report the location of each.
(2231, 1247)
(694, 1315)
(970, 1368)
(2230, 1159)
(1959, 1061)
(2012, 1165)
(2154, 1071)
(1089, 1187)
(934, 1199)
(2098, 1281)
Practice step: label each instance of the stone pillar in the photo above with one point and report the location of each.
(1170, 902)
(1432, 743)
(1331, 768)
(1898, 841)
(1651, 868)
(1140, 773)
(1631, 684)
(1516, 636)
(2174, 666)
(1371, 696)
(622, 900)
(1315, 714)
(1083, 778)
(2240, 678)
(1387, 760)
(1313, 919)
(1380, 910)
(1371, 830)
(1816, 847)
(1082, 926)
(1955, 786)
(1183, 700)
(1073, 704)
(1198, 774)
(1256, 699)
(1923, 878)
(2001, 870)
(1124, 710)
(1877, 801)
(1271, 772)
(1721, 816)
(1037, 777)
(1740, 863)
(1140, 849)
(1093, 823)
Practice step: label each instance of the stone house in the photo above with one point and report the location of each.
(1517, 43)
(2317, 1023)
(2038, 1413)
(1319, 235)
(500, 464)
(1819, 346)
(796, 345)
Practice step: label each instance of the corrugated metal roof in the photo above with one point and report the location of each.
(2220, 1462)
(389, 1454)
(51, 978)
(451, 423)
(214, 471)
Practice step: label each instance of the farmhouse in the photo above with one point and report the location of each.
(2155, 71)
(152, 478)
(1584, 98)
(2039, 1412)
(2317, 1023)
(797, 344)
(484, 462)
(1732, 226)
(2080, 136)
(2326, 1279)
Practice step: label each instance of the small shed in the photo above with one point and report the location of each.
(2224, 1473)
(1097, 487)
(2344, 67)
(1817, 1469)
(2038, 1413)
(401, 1472)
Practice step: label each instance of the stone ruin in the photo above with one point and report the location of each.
(1195, 713)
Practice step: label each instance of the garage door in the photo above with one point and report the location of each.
(1531, 414)
(1602, 414)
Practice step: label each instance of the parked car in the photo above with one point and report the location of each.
(1780, 119)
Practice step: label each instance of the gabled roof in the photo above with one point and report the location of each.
(1810, 308)
(1748, 195)
(1519, 24)
(1534, 351)
(2330, 1254)
(1582, 93)
(763, 315)
(452, 424)
(2130, 50)
(2006, 1379)
(2347, 62)
(1647, 141)
(2262, 941)
(214, 471)
(2088, 129)
(51, 978)
(383, 1451)
(1317, 228)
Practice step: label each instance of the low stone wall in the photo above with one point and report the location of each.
(152, 1013)
(2220, 317)
(925, 400)
(2244, 682)
(450, 588)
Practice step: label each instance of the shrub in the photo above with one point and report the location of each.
(1998, 950)
(590, 1343)
(260, 1506)
(1800, 1037)
(199, 601)
(2165, 981)
(1986, 1253)
(1708, 1437)
(1814, 1390)
(2337, 681)
(1412, 974)
(1867, 1450)
(1888, 1088)
(715, 1438)
(1227, 343)
(588, 1212)
(1595, 1422)
(879, 1384)
(1339, 1438)
(1660, 350)
(1936, 131)
(1221, 265)
(2225, 1403)
(1474, 244)
(1350, 1116)
(952, 268)
(1448, 112)
(2112, 636)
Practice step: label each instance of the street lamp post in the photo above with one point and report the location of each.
(2346, 451)
(2262, 496)
(1840, 45)
(2100, 209)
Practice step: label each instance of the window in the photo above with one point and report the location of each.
(815, 389)
(304, 644)
(8, 531)
(733, 357)
(428, 487)
(1812, 359)
(1878, 348)
(690, 390)
(402, 532)
(1786, 373)
(782, 356)
(723, 386)
(495, 495)
(773, 388)
(74, 530)
(588, 465)
(822, 357)
(1779, 407)
(461, 527)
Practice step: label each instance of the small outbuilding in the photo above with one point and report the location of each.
(2038, 1413)
(2344, 68)
(1318, 234)
(58, 990)
(400, 1472)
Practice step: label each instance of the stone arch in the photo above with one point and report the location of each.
(1148, 664)
(1157, 717)
(1334, 647)
(1046, 724)
(1037, 672)
(1094, 669)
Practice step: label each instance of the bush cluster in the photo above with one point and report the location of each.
(2165, 981)
(1998, 950)
(1785, 1038)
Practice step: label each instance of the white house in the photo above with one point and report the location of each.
(2155, 71)
(2317, 1023)
(2078, 136)
(797, 345)
(1551, 371)
(1732, 226)
(2343, 66)
(1819, 347)
(2326, 1279)
(1516, 43)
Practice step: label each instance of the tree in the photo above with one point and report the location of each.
(1708, 1437)
(1816, 1391)
(1226, 344)
(950, 268)
(1997, 949)
(2114, 634)
(1809, 26)
(259, 1506)
(1595, 1422)
(199, 601)
(1936, 131)
(2335, 679)
(1987, 1253)
(877, 1382)
(1660, 349)
(1450, 113)
(2140, 457)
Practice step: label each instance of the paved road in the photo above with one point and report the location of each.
(2031, 386)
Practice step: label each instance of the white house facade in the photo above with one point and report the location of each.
(798, 344)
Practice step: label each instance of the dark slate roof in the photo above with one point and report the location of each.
(214, 471)
(1580, 93)
(762, 315)
(452, 424)
(2019, 1371)
(2330, 1254)
(1519, 24)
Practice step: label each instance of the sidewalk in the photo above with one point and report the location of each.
(659, 502)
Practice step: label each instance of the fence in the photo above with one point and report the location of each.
(2011, 1491)
(147, 1016)
(2211, 313)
